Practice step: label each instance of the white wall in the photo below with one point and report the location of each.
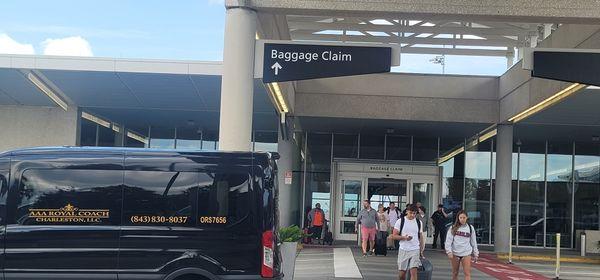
(30, 126)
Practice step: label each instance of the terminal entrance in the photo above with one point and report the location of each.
(381, 184)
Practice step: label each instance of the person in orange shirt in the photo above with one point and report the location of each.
(316, 219)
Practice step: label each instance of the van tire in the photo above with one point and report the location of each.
(191, 277)
(191, 274)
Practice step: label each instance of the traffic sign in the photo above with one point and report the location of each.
(290, 61)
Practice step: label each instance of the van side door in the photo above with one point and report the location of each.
(63, 217)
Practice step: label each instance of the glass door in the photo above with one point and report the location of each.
(386, 190)
(349, 204)
(423, 193)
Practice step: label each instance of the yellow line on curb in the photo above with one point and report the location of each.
(544, 258)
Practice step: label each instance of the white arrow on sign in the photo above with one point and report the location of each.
(276, 66)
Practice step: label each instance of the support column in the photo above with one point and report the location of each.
(285, 164)
(237, 82)
(502, 206)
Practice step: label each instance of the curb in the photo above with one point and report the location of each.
(548, 258)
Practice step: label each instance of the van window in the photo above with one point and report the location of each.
(69, 197)
(223, 198)
(160, 198)
(3, 191)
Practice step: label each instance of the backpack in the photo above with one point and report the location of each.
(418, 227)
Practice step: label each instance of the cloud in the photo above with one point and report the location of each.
(9, 46)
(69, 46)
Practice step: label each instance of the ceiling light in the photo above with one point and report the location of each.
(47, 90)
(278, 98)
(548, 102)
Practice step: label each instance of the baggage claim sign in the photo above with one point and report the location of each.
(291, 61)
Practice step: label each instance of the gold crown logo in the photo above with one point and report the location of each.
(69, 207)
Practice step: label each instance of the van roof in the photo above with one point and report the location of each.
(123, 150)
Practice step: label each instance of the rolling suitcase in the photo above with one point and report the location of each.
(425, 270)
(381, 243)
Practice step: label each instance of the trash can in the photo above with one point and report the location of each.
(425, 270)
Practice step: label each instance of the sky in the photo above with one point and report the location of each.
(154, 29)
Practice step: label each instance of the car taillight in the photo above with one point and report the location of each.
(268, 247)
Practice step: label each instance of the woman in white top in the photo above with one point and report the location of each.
(461, 245)
(384, 220)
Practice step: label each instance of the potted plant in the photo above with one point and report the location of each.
(289, 236)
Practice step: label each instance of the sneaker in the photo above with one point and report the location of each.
(364, 255)
(370, 253)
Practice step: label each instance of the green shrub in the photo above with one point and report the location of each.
(291, 234)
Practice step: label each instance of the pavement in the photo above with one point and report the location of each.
(346, 262)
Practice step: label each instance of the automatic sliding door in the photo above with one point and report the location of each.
(348, 208)
(383, 191)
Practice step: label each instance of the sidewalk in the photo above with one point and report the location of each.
(319, 263)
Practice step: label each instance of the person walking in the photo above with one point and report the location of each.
(367, 220)
(422, 216)
(382, 230)
(316, 220)
(461, 246)
(439, 218)
(394, 214)
(409, 231)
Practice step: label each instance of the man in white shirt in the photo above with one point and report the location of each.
(409, 231)
(394, 214)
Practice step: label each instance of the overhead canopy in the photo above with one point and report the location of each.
(134, 93)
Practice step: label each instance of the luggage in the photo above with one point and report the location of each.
(425, 270)
(328, 239)
(327, 235)
(390, 242)
(381, 243)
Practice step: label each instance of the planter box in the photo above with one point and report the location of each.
(288, 254)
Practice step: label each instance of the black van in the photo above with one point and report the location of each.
(118, 213)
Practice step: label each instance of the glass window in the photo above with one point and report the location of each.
(223, 195)
(351, 197)
(265, 141)
(162, 138)
(425, 149)
(188, 139)
(531, 194)
(478, 174)
(69, 197)
(106, 136)
(136, 137)
(209, 140)
(318, 164)
(345, 146)
(372, 146)
(384, 191)
(559, 204)
(87, 133)
(160, 198)
(587, 186)
(398, 147)
(452, 185)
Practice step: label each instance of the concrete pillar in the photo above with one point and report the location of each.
(237, 82)
(285, 164)
(503, 189)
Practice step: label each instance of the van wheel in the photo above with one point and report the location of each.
(191, 277)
